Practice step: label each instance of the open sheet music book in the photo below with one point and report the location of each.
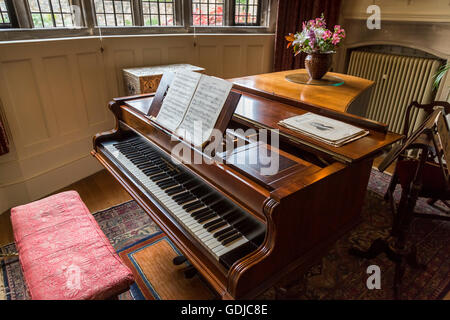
(192, 105)
(330, 131)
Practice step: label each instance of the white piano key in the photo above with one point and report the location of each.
(197, 229)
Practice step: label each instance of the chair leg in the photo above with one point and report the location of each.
(391, 188)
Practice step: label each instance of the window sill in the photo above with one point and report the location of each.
(57, 33)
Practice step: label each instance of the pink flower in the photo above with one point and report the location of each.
(336, 39)
(338, 29)
(327, 35)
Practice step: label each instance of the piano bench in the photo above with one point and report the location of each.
(63, 252)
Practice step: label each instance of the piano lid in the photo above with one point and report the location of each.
(275, 84)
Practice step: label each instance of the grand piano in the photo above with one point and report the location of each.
(240, 229)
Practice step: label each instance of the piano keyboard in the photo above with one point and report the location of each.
(226, 231)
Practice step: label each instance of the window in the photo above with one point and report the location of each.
(8, 17)
(50, 13)
(4, 16)
(117, 17)
(207, 12)
(158, 12)
(113, 13)
(247, 12)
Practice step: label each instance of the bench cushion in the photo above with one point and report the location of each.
(63, 252)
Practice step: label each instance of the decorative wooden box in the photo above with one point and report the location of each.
(146, 79)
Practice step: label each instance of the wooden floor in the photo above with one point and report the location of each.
(99, 191)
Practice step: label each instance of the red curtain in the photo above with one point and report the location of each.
(291, 14)
(4, 145)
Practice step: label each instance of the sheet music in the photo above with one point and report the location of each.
(327, 130)
(205, 108)
(178, 98)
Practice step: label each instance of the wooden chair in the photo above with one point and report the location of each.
(432, 189)
(418, 176)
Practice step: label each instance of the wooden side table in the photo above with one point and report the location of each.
(146, 79)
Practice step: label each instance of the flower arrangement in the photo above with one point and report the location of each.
(315, 37)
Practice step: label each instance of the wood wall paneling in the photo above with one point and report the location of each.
(55, 92)
(152, 56)
(93, 86)
(232, 61)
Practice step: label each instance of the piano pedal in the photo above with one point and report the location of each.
(179, 260)
(190, 272)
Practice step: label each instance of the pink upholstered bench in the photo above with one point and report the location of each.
(64, 254)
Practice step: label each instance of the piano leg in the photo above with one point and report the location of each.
(179, 260)
(190, 272)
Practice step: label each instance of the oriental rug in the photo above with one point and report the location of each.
(149, 252)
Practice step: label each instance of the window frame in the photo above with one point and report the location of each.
(258, 14)
(11, 15)
(183, 23)
(224, 15)
(177, 7)
(52, 12)
(94, 14)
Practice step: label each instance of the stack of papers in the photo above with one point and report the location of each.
(330, 131)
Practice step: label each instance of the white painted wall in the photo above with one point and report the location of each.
(54, 95)
(400, 10)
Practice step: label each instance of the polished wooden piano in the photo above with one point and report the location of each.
(241, 230)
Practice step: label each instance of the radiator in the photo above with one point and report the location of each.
(399, 80)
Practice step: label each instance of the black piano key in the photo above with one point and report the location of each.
(201, 191)
(229, 240)
(181, 195)
(229, 258)
(244, 224)
(232, 217)
(177, 175)
(193, 205)
(172, 172)
(186, 200)
(159, 162)
(200, 212)
(167, 184)
(211, 223)
(140, 161)
(146, 165)
(216, 226)
(159, 177)
(211, 199)
(151, 172)
(205, 213)
(207, 217)
(221, 232)
(195, 208)
(220, 206)
(174, 190)
(227, 235)
(132, 155)
(190, 184)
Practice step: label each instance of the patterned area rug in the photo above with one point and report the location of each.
(157, 278)
(337, 276)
